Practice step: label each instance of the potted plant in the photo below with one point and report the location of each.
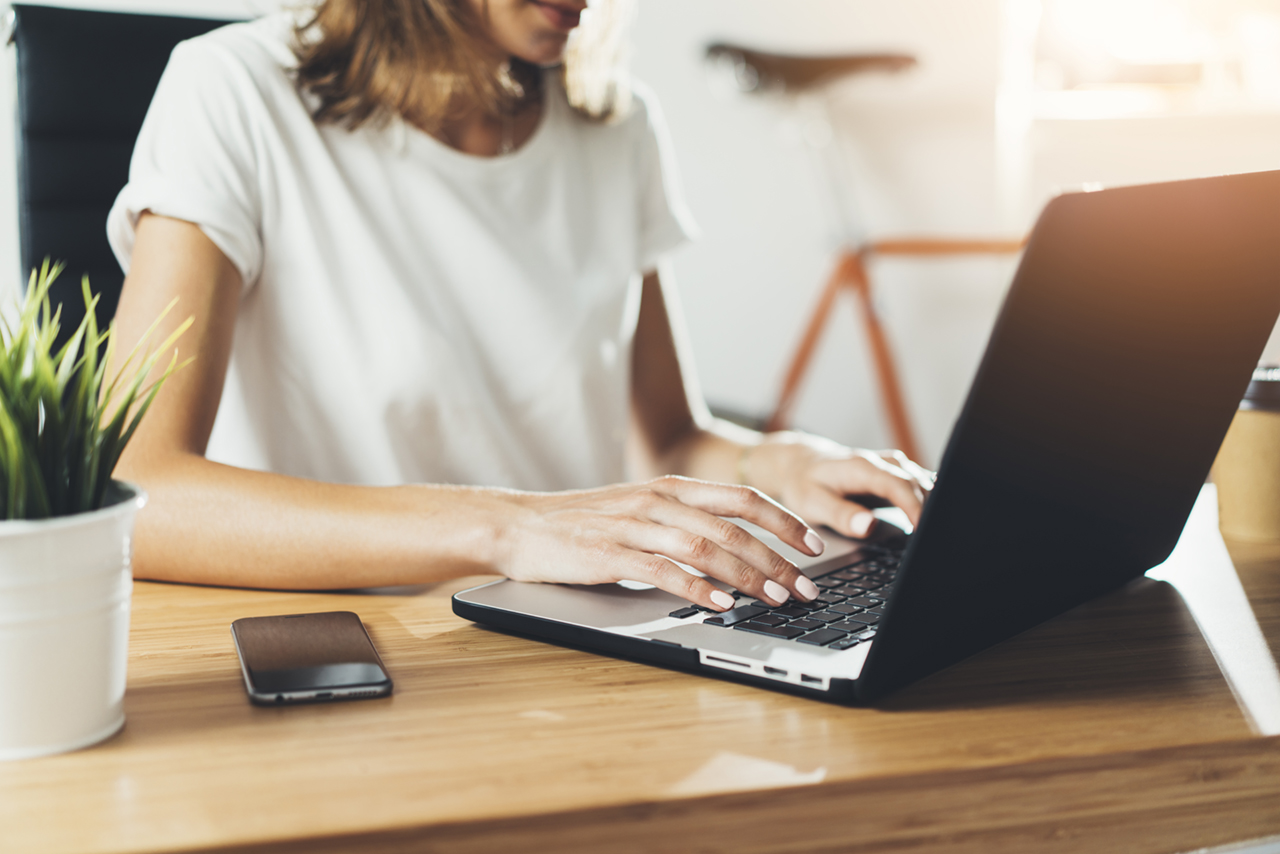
(65, 526)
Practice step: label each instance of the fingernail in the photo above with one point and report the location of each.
(724, 600)
(807, 589)
(861, 523)
(776, 592)
(814, 542)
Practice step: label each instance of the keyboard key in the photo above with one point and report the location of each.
(830, 598)
(827, 616)
(845, 642)
(734, 616)
(875, 612)
(850, 625)
(850, 590)
(791, 612)
(787, 632)
(805, 624)
(846, 608)
(867, 635)
(865, 601)
(771, 619)
(681, 613)
(828, 582)
(821, 637)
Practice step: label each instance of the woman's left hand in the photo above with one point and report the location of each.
(818, 479)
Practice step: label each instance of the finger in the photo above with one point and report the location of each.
(868, 473)
(922, 476)
(743, 502)
(838, 512)
(723, 550)
(901, 489)
(662, 573)
(696, 550)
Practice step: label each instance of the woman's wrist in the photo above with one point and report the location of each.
(744, 463)
(464, 530)
(758, 463)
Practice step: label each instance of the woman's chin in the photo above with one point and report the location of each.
(545, 50)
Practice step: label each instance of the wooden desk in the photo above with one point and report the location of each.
(1110, 729)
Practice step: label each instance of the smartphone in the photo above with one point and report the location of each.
(308, 658)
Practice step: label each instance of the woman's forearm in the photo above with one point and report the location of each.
(711, 450)
(214, 524)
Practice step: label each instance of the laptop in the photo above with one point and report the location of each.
(1124, 345)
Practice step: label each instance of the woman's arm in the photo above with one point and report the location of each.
(812, 476)
(215, 524)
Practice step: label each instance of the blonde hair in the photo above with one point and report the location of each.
(369, 60)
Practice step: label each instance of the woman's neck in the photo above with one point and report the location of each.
(478, 132)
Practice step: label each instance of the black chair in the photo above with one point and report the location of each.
(85, 80)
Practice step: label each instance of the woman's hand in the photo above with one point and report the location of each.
(635, 532)
(816, 478)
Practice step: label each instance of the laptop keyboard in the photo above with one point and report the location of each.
(844, 614)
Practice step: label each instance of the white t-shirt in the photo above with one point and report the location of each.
(410, 313)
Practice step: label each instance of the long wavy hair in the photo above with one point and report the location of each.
(369, 60)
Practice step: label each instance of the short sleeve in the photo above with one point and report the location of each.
(665, 221)
(195, 157)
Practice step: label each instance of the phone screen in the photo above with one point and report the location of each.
(298, 658)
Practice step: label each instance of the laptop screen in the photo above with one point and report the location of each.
(1123, 348)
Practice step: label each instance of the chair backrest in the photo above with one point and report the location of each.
(85, 80)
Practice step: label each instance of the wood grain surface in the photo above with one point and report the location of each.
(1111, 728)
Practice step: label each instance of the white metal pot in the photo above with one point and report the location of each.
(65, 587)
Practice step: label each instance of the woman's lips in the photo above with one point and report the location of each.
(561, 17)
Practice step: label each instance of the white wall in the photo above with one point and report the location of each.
(921, 148)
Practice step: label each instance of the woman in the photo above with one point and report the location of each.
(429, 325)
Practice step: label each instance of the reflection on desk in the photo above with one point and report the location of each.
(1111, 728)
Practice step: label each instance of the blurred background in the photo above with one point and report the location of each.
(1011, 102)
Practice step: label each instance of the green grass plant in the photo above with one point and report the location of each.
(63, 426)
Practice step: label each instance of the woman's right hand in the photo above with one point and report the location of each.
(635, 532)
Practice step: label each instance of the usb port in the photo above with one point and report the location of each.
(773, 671)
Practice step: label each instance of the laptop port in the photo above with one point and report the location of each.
(739, 664)
(773, 671)
(812, 680)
